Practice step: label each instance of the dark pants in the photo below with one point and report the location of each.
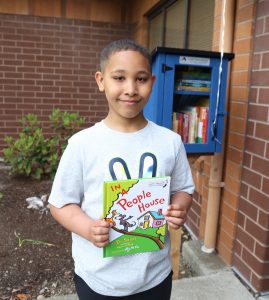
(159, 292)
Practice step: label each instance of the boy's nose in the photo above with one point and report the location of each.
(131, 88)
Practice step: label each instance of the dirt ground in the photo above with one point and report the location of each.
(30, 267)
(35, 252)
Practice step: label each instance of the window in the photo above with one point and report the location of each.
(182, 24)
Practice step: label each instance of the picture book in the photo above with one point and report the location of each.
(135, 208)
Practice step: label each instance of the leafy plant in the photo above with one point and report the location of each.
(33, 154)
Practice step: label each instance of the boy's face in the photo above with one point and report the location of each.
(127, 82)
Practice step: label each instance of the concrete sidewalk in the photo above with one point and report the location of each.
(222, 285)
(214, 281)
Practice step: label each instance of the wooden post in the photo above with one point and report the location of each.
(175, 236)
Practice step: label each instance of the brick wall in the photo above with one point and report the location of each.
(48, 63)
(251, 257)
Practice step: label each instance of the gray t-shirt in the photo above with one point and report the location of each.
(86, 163)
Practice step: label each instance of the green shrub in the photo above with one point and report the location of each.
(33, 154)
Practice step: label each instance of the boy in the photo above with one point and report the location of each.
(123, 136)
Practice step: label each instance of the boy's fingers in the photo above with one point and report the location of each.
(176, 214)
(101, 244)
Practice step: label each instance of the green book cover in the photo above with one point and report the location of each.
(135, 208)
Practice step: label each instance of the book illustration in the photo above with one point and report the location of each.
(135, 208)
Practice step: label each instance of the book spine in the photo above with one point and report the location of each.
(202, 125)
(180, 124)
(205, 125)
(185, 128)
(193, 118)
(175, 122)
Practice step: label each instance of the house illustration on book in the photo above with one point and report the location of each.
(151, 219)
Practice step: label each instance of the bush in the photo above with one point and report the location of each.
(32, 154)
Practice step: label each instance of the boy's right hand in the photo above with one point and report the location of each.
(99, 233)
(75, 220)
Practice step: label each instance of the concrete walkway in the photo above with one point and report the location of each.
(222, 285)
(214, 281)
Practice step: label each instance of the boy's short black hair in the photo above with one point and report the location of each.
(122, 45)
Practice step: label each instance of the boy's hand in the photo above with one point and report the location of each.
(99, 233)
(176, 213)
(75, 220)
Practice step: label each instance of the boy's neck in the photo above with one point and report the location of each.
(126, 125)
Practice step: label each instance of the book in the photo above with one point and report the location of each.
(185, 128)
(135, 208)
(193, 122)
(175, 122)
(180, 124)
(190, 123)
(203, 124)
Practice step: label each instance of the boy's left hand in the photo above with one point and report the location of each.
(176, 213)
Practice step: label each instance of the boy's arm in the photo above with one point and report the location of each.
(73, 218)
(177, 211)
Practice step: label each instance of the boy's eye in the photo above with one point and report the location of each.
(119, 78)
(142, 79)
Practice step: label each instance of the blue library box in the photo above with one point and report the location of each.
(189, 96)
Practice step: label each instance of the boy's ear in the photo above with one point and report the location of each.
(99, 80)
(153, 78)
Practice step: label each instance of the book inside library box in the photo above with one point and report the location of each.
(191, 103)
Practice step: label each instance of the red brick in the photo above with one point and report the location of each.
(237, 248)
(248, 209)
(250, 128)
(258, 266)
(242, 267)
(262, 131)
(261, 165)
(263, 219)
(234, 155)
(245, 239)
(262, 9)
(255, 146)
(253, 94)
(265, 186)
(262, 251)
(263, 95)
(258, 112)
(251, 178)
(262, 235)
(261, 43)
(260, 78)
(244, 190)
(267, 24)
(260, 199)
(259, 26)
(265, 60)
(260, 283)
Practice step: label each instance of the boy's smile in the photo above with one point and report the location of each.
(127, 82)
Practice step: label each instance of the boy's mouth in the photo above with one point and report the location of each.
(130, 101)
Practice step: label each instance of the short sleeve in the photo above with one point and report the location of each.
(67, 186)
(181, 178)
